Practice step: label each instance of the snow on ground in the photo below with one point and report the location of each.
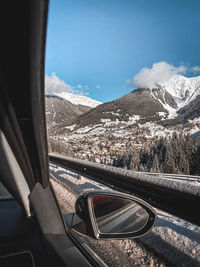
(113, 252)
(188, 182)
(77, 186)
(71, 128)
(195, 130)
(120, 129)
(196, 127)
(123, 129)
(133, 119)
(163, 115)
(196, 120)
(156, 130)
(105, 120)
(172, 111)
(117, 130)
(112, 112)
(175, 240)
(178, 239)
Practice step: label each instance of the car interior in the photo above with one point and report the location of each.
(33, 232)
(27, 239)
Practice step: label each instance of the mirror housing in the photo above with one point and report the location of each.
(106, 214)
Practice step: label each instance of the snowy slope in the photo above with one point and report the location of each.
(183, 89)
(170, 104)
(60, 111)
(55, 86)
(78, 99)
(166, 100)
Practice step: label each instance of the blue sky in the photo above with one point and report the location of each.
(95, 46)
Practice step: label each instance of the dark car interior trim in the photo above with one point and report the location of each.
(22, 122)
(23, 258)
(22, 51)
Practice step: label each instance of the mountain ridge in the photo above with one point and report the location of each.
(59, 110)
(183, 89)
(78, 99)
(155, 105)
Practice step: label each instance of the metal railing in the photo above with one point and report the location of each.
(179, 198)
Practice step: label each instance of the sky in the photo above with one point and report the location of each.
(106, 48)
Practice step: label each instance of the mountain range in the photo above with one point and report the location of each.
(169, 105)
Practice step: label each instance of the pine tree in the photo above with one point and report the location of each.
(156, 167)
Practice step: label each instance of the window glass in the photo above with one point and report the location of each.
(122, 88)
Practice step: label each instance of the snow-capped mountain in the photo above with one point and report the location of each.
(183, 89)
(176, 94)
(60, 111)
(78, 99)
(55, 86)
(131, 123)
(169, 106)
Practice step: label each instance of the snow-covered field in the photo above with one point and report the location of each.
(172, 241)
(121, 128)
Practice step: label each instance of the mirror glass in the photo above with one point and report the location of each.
(116, 215)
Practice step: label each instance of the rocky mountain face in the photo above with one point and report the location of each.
(144, 104)
(78, 99)
(60, 111)
(183, 89)
(191, 110)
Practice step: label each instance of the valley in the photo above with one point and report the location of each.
(128, 125)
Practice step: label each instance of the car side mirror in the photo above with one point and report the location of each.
(112, 215)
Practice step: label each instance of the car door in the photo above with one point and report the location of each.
(23, 144)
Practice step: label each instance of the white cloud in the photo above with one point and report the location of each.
(98, 86)
(160, 72)
(129, 82)
(53, 84)
(195, 69)
(79, 86)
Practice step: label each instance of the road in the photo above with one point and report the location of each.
(172, 242)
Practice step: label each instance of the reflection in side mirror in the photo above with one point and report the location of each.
(115, 215)
(112, 215)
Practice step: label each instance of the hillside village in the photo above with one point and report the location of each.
(105, 148)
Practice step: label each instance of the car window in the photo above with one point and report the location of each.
(122, 89)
